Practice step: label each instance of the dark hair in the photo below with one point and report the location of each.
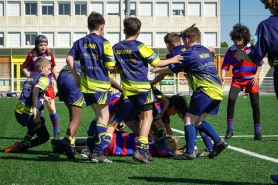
(272, 4)
(95, 20)
(132, 25)
(192, 33)
(240, 32)
(180, 104)
(172, 39)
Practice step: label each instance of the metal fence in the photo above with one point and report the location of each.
(169, 86)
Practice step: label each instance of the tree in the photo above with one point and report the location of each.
(224, 45)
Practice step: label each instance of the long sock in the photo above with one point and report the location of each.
(230, 123)
(70, 140)
(190, 136)
(54, 120)
(196, 133)
(161, 134)
(107, 139)
(257, 128)
(28, 136)
(142, 143)
(206, 140)
(100, 133)
(91, 135)
(208, 129)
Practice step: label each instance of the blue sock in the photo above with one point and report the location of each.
(54, 120)
(206, 140)
(100, 133)
(161, 134)
(230, 123)
(190, 136)
(257, 128)
(209, 130)
(91, 135)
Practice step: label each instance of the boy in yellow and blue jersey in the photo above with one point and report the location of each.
(202, 77)
(96, 58)
(132, 58)
(30, 106)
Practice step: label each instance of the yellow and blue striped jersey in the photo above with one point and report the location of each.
(133, 58)
(95, 54)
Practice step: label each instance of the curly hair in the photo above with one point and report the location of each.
(172, 144)
(180, 104)
(270, 4)
(240, 32)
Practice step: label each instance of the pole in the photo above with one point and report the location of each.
(127, 8)
(239, 11)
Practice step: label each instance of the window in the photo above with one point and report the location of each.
(145, 9)
(30, 8)
(47, 8)
(210, 39)
(13, 39)
(96, 7)
(178, 9)
(194, 9)
(1, 39)
(13, 8)
(80, 9)
(146, 38)
(64, 39)
(78, 35)
(210, 9)
(131, 8)
(30, 38)
(50, 37)
(160, 39)
(161, 9)
(64, 9)
(113, 37)
(113, 9)
(1, 9)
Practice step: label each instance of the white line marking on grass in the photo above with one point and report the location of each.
(253, 154)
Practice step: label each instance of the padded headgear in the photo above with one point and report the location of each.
(39, 39)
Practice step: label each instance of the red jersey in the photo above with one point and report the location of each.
(30, 63)
(242, 70)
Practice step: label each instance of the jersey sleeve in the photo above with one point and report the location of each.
(259, 44)
(27, 61)
(109, 59)
(43, 83)
(176, 68)
(166, 119)
(148, 54)
(226, 61)
(74, 51)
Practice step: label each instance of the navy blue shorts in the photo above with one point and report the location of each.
(100, 98)
(142, 101)
(275, 81)
(27, 120)
(125, 112)
(68, 92)
(201, 103)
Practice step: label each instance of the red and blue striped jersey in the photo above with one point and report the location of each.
(124, 144)
(242, 70)
(31, 60)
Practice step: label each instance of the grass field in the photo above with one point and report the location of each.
(40, 166)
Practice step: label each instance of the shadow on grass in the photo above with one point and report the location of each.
(12, 138)
(192, 181)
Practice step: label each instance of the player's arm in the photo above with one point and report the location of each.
(255, 77)
(25, 72)
(165, 70)
(174, 60)
(115, 85)
(165, 102)
(168, 129)
(70, 63)
(158, 78)
(54, 73)
(26, 63)
(35, 94)
(223, 74)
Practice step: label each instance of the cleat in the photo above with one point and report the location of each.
(13, 149)
(258, 136)
(105, 149)
(85, 153)
(140, 157)
(274, 178)
(186, 156)
(56, 136)
(229, 133)
(67, 148)
(218, 148)
(204, 153)
(184, 149)
(148, 156)
(164, 152)
(97, 157)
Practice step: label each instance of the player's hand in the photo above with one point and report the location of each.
(36, 118)
(223, 80)
(176, 59)
(154, 70)
(255, 79)
(121, 126)
(48, 99)
(239, 54)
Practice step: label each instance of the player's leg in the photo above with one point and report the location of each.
(254, 99)
(275, 82)
(52, 112)
(233, 94)
(208, 144)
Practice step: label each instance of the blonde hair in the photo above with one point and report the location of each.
(41, 61)
(172, 144)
